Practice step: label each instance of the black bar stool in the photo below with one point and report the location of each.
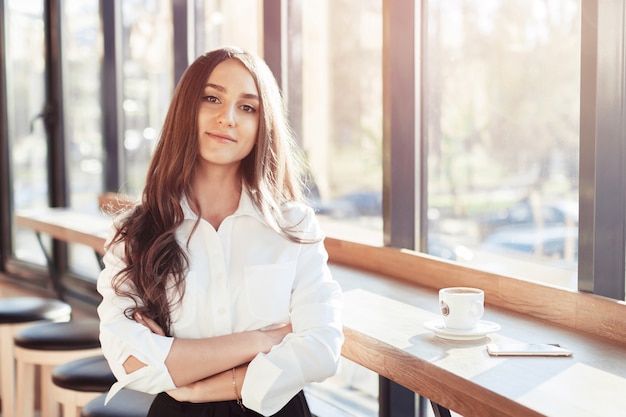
(80, 381)
(49, 345)
(126, 403)
(15, 314)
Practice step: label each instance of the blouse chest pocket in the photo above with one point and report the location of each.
(268, 291)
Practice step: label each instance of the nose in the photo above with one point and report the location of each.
(226, 117)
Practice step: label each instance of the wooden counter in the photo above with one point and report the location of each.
(67, 225)
(386, 336)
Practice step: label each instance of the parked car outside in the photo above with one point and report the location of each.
(351, 205)
(554, 242)
(557, 213)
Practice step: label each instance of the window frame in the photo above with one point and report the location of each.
(5, 172)
(602, 205)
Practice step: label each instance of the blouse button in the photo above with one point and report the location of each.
(221, 310)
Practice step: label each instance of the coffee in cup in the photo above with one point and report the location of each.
(461, 307)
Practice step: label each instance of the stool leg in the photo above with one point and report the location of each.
(25, 389)
(7, 365)
(26, 360)
(71, 401)
(49, 407)
(70, 408)
(67, 401)
(69, 411)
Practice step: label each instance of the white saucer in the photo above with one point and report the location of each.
(482, 329)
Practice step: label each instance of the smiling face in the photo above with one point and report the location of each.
(228, 115)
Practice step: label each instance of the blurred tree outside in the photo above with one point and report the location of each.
(503, 94)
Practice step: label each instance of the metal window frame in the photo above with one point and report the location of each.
(52, 117)
(5, 172)
(273, 36)
(112, 118)
(400, 126)
(184, 43)
(53, 110)
(602, 207)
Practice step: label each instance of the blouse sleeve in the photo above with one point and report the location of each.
(311, 353)
(121, 337)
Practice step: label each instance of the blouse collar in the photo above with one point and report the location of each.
(245, 207)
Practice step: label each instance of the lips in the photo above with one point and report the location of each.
(220, 137)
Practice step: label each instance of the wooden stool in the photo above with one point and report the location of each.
(126, 403)
(80, 381)
(47, 346)
(15, 314)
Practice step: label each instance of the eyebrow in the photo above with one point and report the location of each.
(221, 89)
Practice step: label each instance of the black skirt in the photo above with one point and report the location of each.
(165, 406)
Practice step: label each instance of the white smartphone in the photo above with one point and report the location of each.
(526, 349)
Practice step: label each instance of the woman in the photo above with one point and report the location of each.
(216, 290)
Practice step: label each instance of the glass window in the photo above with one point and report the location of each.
(503, 88)
(342, 108)
(342, 113)
(147, 71)
(26, 98)
(220, 23)
(82, 55)
(82, 52)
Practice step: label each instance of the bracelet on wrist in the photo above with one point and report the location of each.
(234, 372)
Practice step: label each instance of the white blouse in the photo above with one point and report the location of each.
(244, 276)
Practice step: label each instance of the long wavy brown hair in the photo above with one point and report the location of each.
(155, 261)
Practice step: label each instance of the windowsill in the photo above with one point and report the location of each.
(384, 269)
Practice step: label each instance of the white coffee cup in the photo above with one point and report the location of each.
(461, 307)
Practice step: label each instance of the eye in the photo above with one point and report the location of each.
(211, 99)
(248, 108)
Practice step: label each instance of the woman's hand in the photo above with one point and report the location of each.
(218, 387)
(273, 335)
(183, 394)
(131, 364)
(149, 323)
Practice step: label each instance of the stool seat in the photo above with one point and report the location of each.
(47, 346)
(15, 314)
(77, 382)
(91, 374)
(27, 309)
(126, 403)
(71, 335)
